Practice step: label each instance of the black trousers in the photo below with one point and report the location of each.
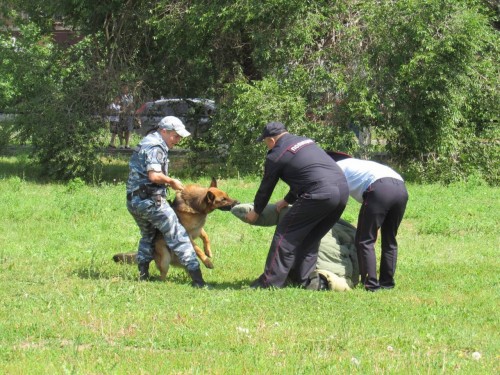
(294, 249)
(384, 205)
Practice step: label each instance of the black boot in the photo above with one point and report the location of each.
(323, 283)
(318, 282)
(257, 284)
(197, 278)
(143, 271)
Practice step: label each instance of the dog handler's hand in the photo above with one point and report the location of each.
(251, 217)
(160, 178)
(176, 184)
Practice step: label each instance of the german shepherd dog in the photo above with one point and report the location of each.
(191, 205)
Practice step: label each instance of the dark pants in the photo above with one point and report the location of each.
(295, 244)
(384, 204)
(151, 217)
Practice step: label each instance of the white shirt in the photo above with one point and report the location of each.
(115, 112)
(360, 174)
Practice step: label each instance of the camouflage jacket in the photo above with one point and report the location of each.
(150, 155)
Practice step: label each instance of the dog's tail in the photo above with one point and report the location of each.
(129, 258)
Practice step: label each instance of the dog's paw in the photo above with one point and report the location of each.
(208, 263)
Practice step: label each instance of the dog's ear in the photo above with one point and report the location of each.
(210, 197)
(213, 183)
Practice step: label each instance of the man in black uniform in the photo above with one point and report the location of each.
(319, 193)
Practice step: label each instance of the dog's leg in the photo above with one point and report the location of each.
(199, 252)
(164, 265)
(206, 243)
(162, 257)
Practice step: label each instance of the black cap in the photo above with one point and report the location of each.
(272, 129)
(338, 156)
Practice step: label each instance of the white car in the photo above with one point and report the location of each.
(196, 114)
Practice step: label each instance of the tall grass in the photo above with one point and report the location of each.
(65, 307)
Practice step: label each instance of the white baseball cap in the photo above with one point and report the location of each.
(174, 123)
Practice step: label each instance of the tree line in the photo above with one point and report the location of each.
(421, 74)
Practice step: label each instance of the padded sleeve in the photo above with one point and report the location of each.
(269, 216)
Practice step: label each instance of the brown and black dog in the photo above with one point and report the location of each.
(192, 205)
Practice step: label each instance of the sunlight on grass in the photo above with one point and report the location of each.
(66, 307)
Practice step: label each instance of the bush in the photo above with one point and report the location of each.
(7, 131)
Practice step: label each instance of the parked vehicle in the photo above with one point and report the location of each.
(196, 114)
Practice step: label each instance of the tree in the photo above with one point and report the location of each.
(59, 94)
(423, 74)
(439, 91)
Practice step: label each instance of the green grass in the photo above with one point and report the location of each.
(65, 307)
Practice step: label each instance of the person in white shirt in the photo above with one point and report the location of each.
(127, 119)
(114, 110)
(383, 197)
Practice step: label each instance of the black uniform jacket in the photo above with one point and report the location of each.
(304, 166)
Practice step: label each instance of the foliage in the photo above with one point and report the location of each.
(440, 91)
(7, 131)
(248, 107)
(56, 110)
(60, 102)
(423, 75)
(219, 40)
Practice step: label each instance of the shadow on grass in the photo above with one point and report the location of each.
(16, 162)
(174, 277)
(114, 168)
(20, 168)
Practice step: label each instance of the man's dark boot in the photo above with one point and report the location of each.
(197, 278)
(318, 282)
(257, 284)
(323, 283)
(143, 271)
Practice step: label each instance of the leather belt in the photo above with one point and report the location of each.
(135, 193)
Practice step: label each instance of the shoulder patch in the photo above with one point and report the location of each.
(159, 155)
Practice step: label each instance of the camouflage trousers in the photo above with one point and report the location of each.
(149, 217)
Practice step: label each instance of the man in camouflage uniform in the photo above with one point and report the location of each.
(146, 202)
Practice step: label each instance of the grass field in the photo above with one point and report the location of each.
(66, 308)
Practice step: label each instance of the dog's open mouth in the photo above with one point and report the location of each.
(228, 207)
